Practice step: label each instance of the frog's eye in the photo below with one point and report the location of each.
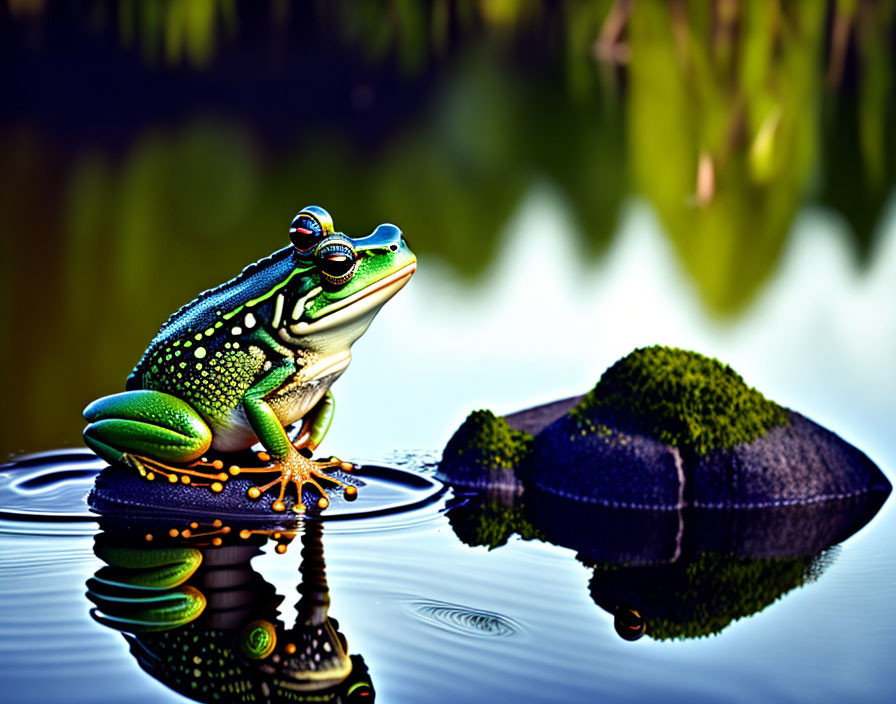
(258, 639)
(305, 232)
(629, 623)
(336, 261)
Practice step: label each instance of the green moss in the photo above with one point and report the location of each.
(681, 398)
(702, 597)
(487, 442)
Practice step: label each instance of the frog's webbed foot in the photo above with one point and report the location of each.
(208, 474)
(295, 469)
(299, 470)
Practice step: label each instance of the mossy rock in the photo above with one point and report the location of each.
(662, 429)
(666, 428)
(485, 452)
(680, 398)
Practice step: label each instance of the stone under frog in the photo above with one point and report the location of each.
(245, 360)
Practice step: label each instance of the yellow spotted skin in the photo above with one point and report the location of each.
(245, 359)
(213, 383)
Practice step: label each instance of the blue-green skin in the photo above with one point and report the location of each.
(245, 359)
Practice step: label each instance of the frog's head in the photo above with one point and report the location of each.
(346, 280)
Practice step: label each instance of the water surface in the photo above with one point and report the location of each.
(437, 619)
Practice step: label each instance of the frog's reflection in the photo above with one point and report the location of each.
(675, 574)
(202, 621)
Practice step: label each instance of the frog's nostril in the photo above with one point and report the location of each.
(385, 238)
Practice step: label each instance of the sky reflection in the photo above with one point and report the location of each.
(546, 324)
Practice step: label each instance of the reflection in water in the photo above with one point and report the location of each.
(723, 130)
(699, 596)
(858, 171)
(491, 518)
(441, 117)
(675, 574)
(419, 606)
(202, 621)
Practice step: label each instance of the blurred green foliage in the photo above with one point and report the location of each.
(726, 117)
(723, 131)
(858, 168)
(177, 31)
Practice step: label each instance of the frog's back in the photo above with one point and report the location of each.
(212, 308)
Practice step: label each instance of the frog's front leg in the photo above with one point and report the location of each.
(151, 431)
(292, 465)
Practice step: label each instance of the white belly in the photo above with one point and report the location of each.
(233, 433)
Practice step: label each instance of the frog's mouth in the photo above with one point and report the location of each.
(354, 307)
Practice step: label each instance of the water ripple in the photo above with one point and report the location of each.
(464, 620)
(37, 491)
(46, 493)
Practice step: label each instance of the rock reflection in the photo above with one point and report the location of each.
(201, 620)
(675, 574)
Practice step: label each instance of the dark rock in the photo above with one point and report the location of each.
(663, 428)
(120, 489)
(800, 462)
(534, 420)
(484, 453)
(612, 468)
(796, 463)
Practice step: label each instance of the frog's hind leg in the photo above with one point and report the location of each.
(153, 432)
(148, 467)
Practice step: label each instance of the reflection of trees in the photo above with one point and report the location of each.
(723, 132)
(722, 105)
(715, 104)
(857, 154)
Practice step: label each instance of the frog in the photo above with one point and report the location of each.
(252, 359)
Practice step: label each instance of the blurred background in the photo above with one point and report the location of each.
(577, 178)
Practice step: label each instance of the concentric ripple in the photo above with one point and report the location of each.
(464, 620)
(45, 492)
(48, 487)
